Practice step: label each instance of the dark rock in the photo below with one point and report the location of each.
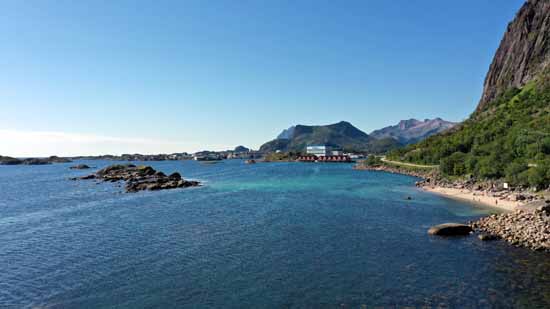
(487, 237)
(141, 178)
(175, 176)
(146, 170)
(251, 161)
(545, 208)
(80, 167)
(450, 229)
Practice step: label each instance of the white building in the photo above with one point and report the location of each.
(319, 150)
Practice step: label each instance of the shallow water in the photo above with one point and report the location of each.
(268, 235)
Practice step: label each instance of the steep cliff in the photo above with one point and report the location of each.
(523, 52)
(508, 137)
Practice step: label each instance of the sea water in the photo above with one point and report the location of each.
(266, 235)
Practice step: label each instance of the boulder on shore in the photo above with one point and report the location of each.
(450, 229)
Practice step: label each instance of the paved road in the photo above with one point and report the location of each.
(383, 159)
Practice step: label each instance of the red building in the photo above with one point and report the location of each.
(335, 158)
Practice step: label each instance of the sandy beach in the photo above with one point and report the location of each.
(478, 197)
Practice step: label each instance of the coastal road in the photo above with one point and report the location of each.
(383, 159)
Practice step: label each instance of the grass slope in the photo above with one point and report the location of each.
(509, 139)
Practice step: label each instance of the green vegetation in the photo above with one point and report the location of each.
(372, 160)
(509, 139)
(377, 161)
(282, 156)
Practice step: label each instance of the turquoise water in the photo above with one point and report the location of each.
(269, 235)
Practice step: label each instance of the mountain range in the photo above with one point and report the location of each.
(412, 130)
(341, 135)
(346, 136)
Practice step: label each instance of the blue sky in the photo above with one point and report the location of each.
(90, 77)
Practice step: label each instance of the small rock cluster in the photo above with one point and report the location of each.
(139, 178)
(520, 228)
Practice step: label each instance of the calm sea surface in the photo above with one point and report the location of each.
(270, 235)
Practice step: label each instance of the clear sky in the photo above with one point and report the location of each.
(95, 77)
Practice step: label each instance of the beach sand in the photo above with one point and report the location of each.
(478, 197)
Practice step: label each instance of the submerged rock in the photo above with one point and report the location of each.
(487, 237)
(79, 167)
(450, 229)
(140, 178)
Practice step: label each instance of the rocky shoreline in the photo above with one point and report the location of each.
(522, 225)
(140, 178)
(530, 229)
(431, 180)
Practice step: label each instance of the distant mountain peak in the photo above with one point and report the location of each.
(405, 124)
(412, 130)
(287, 133)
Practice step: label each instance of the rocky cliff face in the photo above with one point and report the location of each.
(523, 52)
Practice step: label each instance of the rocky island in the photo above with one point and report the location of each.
(139, 178)
(32, 161)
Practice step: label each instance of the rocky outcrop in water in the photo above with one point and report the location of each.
(450, 229)
(529, 229)
(80, 167)
(523, 52)
(139, 178)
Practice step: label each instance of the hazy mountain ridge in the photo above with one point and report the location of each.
(413, 130)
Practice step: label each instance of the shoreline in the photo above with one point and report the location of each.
(504, 200)
(476, 197)
(524, 221)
